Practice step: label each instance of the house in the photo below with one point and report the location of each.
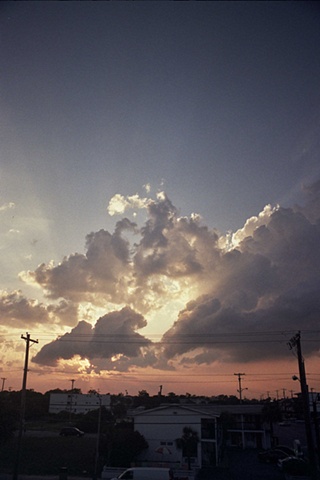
(77, 402)
(231, 425)
(161, 427)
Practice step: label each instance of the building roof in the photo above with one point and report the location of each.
(209, 410)
(174, 406)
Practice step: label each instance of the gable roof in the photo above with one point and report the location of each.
(175, 406)
(203, 410)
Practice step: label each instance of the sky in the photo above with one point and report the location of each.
(160, 195)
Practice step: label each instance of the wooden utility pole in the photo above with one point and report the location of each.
(3, 380)
(295, 342)
(240, 390)
(23, 403)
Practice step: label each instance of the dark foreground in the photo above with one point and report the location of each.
(242, 465)
(237, 465)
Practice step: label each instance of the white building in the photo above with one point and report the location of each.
(77, 402)
(161, 427)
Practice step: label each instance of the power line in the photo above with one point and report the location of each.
(180, 339)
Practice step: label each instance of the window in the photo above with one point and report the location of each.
(208, 428)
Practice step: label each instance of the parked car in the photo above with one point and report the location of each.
(290, 451)
(144, 473)
(273, 455)
(294, 466)
(71, 432)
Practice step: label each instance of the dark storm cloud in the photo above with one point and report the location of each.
(70, 344)
(270, 282)
(228, 334)
(114, 334)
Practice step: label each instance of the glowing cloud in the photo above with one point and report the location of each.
(265, 277)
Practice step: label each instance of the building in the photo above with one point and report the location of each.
(216, 425)
(161, 427)
(77, 402)
(245, 426)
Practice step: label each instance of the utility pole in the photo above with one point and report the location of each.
(23, 403)
(96, 460)
(240, 390)
(3, 380)
(295, 342)
(71, 398)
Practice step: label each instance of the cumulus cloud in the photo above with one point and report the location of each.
(115, 271)
(270, 282)
(251, 225)
(104, 270)
(18, 311)
(113, 337)
(263, 278)
(118, 204)
(66, 312)
(170, 245)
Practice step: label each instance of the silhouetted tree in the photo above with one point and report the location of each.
(122, 445)
(88, 422)
(188, 444)
(8, 418)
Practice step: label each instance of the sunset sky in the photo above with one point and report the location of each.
(160, 195)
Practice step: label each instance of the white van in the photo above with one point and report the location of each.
(146, 473)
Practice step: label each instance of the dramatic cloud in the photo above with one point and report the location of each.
(264, 278)
(114, 336)
(103, 270)
(270, 282)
